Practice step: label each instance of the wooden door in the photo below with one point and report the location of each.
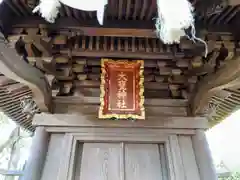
(121, 161)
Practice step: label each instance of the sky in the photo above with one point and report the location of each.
(224, 142)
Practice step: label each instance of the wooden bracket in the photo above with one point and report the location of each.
(43, 44)
(227, 76)
(14, 67)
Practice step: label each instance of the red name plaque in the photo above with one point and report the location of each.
(122, 89)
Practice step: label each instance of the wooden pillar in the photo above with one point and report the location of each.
(203, 156)
(37, 156)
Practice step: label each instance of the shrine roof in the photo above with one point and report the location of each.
(122, 13)
(11, 94)
(178, 79)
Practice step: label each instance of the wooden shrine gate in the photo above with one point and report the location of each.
(73, 147)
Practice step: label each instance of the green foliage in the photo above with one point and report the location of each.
(234, 176)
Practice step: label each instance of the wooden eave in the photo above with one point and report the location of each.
(14, 67)
(11, 93)
(125, 13)
(225, 103)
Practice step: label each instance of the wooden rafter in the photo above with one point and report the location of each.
(14, 67)
(226, 77)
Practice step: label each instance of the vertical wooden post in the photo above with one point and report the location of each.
(203, 156)
(176, 159)
(37, 156)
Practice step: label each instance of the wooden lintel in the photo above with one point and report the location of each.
(14, 67)
(66, 22)
(96, 100)
(227, 76)
(74, 120)
(125, 32)
(122, 54)
(92, 28)
(119, 28)
(92, 109)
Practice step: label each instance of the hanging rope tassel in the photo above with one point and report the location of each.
(48, 9)
(194, 38)
(100, 15)
(174, 17)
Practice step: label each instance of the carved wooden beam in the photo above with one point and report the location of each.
(92, 109)
(198, 68)
(122, 54)
(43, 46)
(42, 43)
(14, 67)
(227, 76)
(118, 28)
(81, 99)
(76, 120)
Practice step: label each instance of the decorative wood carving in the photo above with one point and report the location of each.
(227, 76)
(128, 33)
(169, 72)
(14, 67)
(37, 40)
(122, 90)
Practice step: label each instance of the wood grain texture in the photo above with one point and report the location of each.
(171, 158)
(76, 150)
(73, 120)
(203, 157)
(81, 99)
(188, 158)
(142, 162)
(120, 161)
(14, 67)
(78, 161)
(52, 162)
(85, 130)
(38, 152)
(100, 161)
(163, 160)
(66, 152)
(176, 157)
(226, 77)
(90, 109)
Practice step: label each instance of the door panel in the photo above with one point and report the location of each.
(142, 161)
(100, 161)
(120, 161)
